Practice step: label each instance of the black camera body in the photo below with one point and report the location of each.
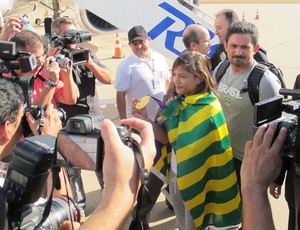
(25, 181)
(286, 113)
(28, 170)
(78, 56)
(36, 112)
(12, 60)
(84, 133)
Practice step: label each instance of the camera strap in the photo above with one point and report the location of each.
(144, 177)
(55, 184)
(42, 122)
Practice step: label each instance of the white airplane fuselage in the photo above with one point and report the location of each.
(165, 20)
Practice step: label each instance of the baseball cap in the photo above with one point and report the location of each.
(137, 33)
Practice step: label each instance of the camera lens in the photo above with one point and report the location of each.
(62, 209)
(62, 114)
(63, 61)
(288, 148)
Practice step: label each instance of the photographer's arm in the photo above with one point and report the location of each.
(10, 28)
(256, 177)
(121, 175)
(70, 92)
(100, 72)
(52, 73)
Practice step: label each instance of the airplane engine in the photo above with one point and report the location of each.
(91, 22)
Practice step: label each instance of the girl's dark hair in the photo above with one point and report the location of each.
(198, 65)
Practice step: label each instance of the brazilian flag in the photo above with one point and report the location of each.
(206, 176)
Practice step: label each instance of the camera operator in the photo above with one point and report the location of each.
(85, 76)
(256, 177)
(51, 83)
(292, 183)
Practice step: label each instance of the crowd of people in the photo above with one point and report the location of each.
(195, 131)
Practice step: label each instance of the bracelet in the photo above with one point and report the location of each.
(50, 84)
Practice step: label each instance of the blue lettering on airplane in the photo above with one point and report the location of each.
(172, 35)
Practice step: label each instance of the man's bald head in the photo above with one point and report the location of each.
(196, 38)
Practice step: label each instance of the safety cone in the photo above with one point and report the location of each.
(257, 15)
(118, 48)
(243, 17)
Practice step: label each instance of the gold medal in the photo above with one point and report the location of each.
(143, 102)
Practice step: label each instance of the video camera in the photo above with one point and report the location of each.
(78, 55)
(25, 181)
(286, 113)
(26, 62)
(84, 138)
(12, 60)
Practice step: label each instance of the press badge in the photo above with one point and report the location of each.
(156, 80)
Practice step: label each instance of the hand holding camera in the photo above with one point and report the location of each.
(52, 69)
(13, 25)
(52, 121)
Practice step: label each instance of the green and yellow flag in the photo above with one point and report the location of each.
(206, 175)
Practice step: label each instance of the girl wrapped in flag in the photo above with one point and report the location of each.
(201, 174)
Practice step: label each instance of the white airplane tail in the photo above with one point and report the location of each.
(165, 20)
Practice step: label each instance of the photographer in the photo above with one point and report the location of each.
(11, 114)
(121, 174)
(122, 184)
(85, 76)
(51, 83)
(256, 177)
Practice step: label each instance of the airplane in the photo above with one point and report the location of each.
(165, 20)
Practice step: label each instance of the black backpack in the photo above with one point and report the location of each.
(254, 77)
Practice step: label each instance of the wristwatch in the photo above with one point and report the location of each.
(49, 84)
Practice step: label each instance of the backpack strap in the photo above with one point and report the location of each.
(221, 70)
(253, 82)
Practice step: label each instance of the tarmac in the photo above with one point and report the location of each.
(279, 35)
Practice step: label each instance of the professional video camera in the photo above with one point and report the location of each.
(12, 60)
(82, 135)
(286, 113)
(77, 55)
(25, 181)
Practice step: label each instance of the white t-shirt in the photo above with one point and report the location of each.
(138, 78)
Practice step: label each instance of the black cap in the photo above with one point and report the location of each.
(137, 33)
